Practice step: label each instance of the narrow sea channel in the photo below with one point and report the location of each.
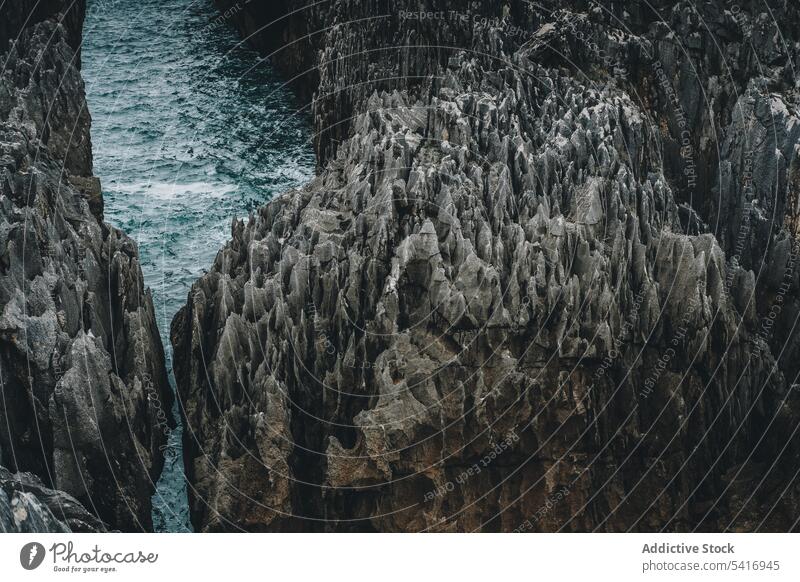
(190, 129)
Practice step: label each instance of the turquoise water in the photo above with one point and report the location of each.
(190, 130)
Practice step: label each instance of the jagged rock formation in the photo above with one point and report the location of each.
(27, 506)
(81, 364)
(546, 279)
(21, 14)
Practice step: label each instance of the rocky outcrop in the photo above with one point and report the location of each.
(18, 15)
(520, 295)
(82, 372)
(27, 506)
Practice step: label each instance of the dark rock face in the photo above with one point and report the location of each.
(81, 362)
(18, 15)
(27, 506)
(547, 279)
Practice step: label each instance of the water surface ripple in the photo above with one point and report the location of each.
(190, 129)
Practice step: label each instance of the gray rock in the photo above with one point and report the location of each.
(82, 368)
(491, 295)
(27, 506)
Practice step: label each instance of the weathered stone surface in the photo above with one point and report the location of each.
(18, 15)
(519, 296)
(27, 506)
(81, 361)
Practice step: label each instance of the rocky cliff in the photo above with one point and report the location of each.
(546, 279)
(82, 369)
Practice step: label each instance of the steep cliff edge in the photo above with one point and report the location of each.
(82, 369)
(546, 279)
